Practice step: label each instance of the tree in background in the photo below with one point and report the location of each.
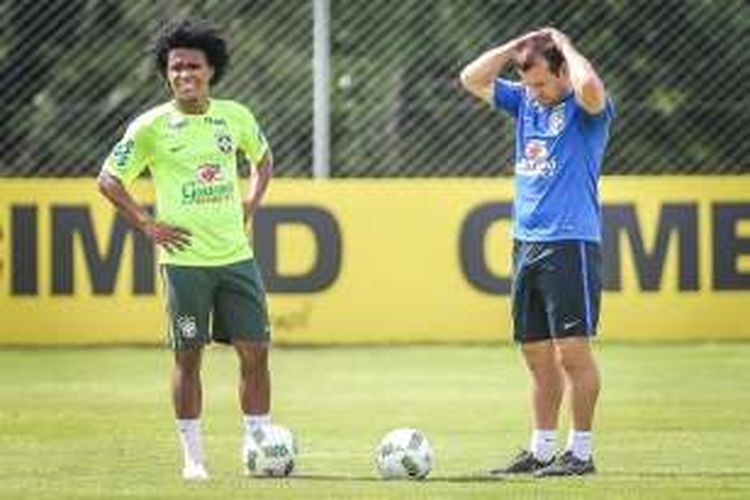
(73, 70)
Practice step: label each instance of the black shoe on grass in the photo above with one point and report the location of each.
(523, 463)
(567, 464)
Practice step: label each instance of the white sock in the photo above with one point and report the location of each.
(580, 443)
(252, 422)
(191, 439)
(542, 444)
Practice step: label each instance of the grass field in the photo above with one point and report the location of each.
(674, 422)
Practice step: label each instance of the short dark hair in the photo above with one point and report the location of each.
(192, 33)
(540, 47)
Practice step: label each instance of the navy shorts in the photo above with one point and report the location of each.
(556, 289)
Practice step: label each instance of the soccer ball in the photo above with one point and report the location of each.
(404, 453)
(270, 452)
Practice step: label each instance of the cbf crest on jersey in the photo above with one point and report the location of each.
(224, 142)
(556, 121)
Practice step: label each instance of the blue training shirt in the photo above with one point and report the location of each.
(558, 160)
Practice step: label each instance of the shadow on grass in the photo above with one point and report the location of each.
(467, 478)
(681, 474)
(485, 478)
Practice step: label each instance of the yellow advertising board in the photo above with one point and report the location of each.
(369, 261)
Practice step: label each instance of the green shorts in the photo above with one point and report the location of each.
(219, 304)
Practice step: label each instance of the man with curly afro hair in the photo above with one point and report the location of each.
(214, 292)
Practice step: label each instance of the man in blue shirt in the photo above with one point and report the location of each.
(562, 119)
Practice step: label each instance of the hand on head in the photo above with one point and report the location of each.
(539, 36)
(558, 37)
(529, 40)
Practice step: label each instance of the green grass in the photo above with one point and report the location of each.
(674, 422)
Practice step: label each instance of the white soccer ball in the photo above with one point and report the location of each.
(404, 454)
(270, 452)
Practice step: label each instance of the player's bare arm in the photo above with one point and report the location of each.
(259, 179)
(478, 77)
(588, 88)
(170, 237)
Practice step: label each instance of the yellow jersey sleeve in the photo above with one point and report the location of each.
(252, 141)
(132, 154)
